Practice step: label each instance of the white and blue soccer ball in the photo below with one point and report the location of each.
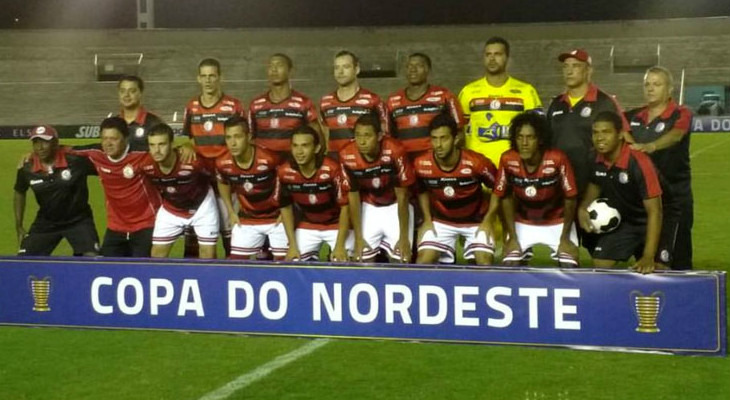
(603, 217)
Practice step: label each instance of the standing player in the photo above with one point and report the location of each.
(571, 114)
(274, 115)
(249, 171)
(187, 198)
(58, 181)
(342, 108)
(131, 202)
(450, 184)
(204, 118)
(379, 175)
(130, 89)
(536, 189)
(316, 186)
(628, 179)
(412, 108)
(491, 102)
(661, 129)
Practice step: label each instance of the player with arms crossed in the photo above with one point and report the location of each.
(450, 194)
(536, 189)
(250, 172)
(629, 180)
(379, 175)
(342, 108)
(187, 198)
(316, 186)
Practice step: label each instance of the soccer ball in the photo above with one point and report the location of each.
(604, 218)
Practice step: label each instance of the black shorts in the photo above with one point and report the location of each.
(42, 240)
(628, 240)
(127, 244)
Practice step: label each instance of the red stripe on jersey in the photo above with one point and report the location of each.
(340, 116)
(319, 197)
(376, 181)
(409, 119)
(183, 189)
(272, 123)
(456, 196)
(205, 124)
(651, 180)
(254, 186)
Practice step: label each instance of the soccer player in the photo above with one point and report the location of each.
(131, 201)
(139, 121)
(490, 102)
(187, 197)
(58, 181)
(341, 108)
(628, 179)
(316, 186)
(571, 114)
(412, 108)
(249, 171)
(379, 175)
(274, 115)
(536, 190)
(661, 129)
(204, 118)
(450, 183)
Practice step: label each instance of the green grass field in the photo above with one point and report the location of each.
(46, 363)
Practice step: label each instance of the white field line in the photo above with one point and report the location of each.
(262, 371)
(712, 146)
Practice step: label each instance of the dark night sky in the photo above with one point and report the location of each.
(42, 14)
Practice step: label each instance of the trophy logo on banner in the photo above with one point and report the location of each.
(647, 309)
(40, 289)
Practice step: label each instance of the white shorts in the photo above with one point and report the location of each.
(225, 222)
(310, 240)
(204, 222)
(549, 235)
(444, 240)
(381, 228)
(248, 239)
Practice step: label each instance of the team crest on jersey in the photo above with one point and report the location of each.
(376, 182)
(139, 132)
(171, 189)
(495, 105)
(449, 191)
(312, 198)
(413, 120)
(274, 122)
(659, 127)
(128, 171)
(465, 171)
(530, 191)
(66, 174)
(586, 112)
(247, 186)
(623, 177)
(208, 126)
(342, 119)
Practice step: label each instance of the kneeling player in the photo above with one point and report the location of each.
(187, 197)
(317, 187)
(379, 174)
(536, 189)
(250, 172)
(628, 180)
(450, 183)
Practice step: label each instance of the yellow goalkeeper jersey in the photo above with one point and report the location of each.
(489, 111)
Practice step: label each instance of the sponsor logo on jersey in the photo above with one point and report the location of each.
(262, 167)
(548, 170)
(635, 123)
(600, 173)
(385, 159)
(226, 108)
(515, 91)
(295, 104)
(259, 101)
(35, 181)
(465, 171)
(324, 176)
(184, 173)
(362, 101)
(433, 99)
(556, 113)
(186, 166)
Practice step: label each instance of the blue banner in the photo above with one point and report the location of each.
(671, 312)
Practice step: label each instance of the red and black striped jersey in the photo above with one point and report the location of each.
(183, 189)
(272, 123)
(456, 196)
(254, 186)
(205, 124)
(376, 181)
(319, 197)
(539, 195)
(340, 116)
(409, 119)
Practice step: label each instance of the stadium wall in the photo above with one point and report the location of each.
(48, 76)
